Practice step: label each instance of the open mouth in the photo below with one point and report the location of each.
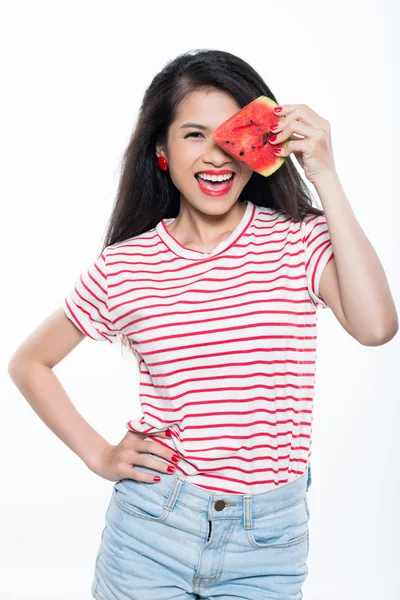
(215, 185)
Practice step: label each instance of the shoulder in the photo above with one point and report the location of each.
(312, 223)
(129, 244)
(265, 214)
(278, 223)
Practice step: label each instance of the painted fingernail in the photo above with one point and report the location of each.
(275, 126)
(277, 150)
(168, 433)
(175, 458)
(273, 138)
(278, 109)
(157, 478)
(171, 469)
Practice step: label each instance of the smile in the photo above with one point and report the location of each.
(215, 188)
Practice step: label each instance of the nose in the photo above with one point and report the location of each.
(217, 155)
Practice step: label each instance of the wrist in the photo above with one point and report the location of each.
(327, 178)
(94, 455)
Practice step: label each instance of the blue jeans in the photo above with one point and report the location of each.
(174, 540)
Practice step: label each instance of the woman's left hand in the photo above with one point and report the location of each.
(314, 149)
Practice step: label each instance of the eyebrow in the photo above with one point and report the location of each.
(195, 125)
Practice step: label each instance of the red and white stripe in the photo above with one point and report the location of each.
(226, 343)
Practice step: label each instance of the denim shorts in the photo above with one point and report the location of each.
(174, 540)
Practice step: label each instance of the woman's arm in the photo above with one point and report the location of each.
(354, 284)
(30, 368)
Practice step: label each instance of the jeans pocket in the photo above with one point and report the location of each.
(141, 500)
(281, 529)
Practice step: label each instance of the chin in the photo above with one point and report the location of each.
(213, 205)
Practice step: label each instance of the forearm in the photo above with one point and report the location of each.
(44, 392)
(364, 290)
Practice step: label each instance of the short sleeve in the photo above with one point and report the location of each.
(318, 252)
(86, 305)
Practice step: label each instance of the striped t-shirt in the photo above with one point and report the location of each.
(225, 341)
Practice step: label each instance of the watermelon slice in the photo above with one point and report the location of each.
(245, 136)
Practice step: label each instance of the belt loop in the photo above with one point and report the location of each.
(309, 479)
(172, 498)
(247, 512)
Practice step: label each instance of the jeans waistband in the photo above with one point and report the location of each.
(220, 505)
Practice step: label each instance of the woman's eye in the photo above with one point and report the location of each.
(193, 133)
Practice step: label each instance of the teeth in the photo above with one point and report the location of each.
(215, 177)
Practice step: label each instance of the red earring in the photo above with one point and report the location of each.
(162, 163)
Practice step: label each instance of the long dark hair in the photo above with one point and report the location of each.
(145, 193)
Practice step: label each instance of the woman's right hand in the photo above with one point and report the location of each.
(118, 462)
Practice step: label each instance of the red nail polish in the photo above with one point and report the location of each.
(273, 138)
(171, 469)
(278, 109)
(168, 433)
(175, 458)
(157, 478)
(277, 150)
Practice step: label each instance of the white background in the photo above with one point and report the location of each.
(73, 76)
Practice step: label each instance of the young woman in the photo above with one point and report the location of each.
(215, 287)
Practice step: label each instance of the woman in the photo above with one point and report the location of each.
(215, 288)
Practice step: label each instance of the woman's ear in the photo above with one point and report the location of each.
(160, 150)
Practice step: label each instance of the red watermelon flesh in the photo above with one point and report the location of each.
(245, 136)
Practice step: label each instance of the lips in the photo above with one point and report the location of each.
(209, 172)
(217, 188)
(205, 173)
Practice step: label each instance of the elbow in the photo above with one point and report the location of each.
(15, 366)
(12, 368)
(380, 337)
